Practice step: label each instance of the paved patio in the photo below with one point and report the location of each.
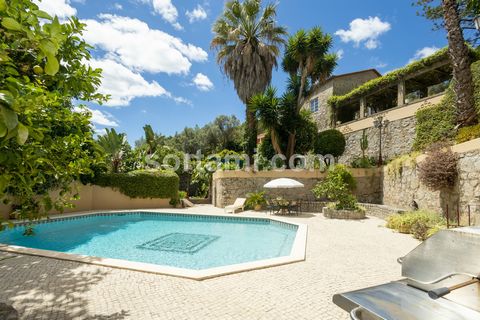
(341, 256)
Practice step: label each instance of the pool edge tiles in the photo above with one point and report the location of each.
(297, 252)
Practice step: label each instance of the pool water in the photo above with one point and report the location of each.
(184, 241)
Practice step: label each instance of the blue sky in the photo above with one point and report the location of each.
(160, 70)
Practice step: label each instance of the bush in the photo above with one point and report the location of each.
(338, 187)
(255, 198)
(438, 123)
(142, 183)
(367, 162)
(421, 224)
(468, 133)
(330, 142)
(439, 170)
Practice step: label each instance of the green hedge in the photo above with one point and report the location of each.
(142, 183)
(438, 122)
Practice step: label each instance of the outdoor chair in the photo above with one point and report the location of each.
(272, 206)
(238, 204)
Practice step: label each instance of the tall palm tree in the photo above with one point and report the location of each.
(267, 108)
(248, 42)
(459, 56)
(308, 62)
(113, 143)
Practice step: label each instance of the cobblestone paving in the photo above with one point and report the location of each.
(341, 256)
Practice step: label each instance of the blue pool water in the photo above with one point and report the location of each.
(192, 242)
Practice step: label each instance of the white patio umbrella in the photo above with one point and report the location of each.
(283, 183)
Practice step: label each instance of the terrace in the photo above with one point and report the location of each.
(396, 95)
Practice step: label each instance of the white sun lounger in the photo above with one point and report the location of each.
(238, 204)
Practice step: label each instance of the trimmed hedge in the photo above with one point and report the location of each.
(160, 184)
(330, 142)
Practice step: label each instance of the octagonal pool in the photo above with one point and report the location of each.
(176, 240)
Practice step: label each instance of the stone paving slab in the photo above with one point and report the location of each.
(341, 256)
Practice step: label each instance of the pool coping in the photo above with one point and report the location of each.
(297, 253)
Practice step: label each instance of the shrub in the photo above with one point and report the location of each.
(468, 133)
(255, 198)
(182, 194)
(142, 183)
(421, 224)
(367, 162)
(439, 170)
(330, 142)
(338, 187)
(438, 123)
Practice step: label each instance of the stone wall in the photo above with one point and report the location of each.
(402, 187)
(397, 139)
(229, 185)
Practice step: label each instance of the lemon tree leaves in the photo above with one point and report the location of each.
(44, 144)
(11, 24)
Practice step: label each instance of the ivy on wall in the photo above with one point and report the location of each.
(160, 184)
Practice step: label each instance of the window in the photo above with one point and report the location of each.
(314, 105)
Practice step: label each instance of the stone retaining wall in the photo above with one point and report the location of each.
(229, 185)
(403, 187)
(397, 139)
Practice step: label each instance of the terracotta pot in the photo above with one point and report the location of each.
(258, 207)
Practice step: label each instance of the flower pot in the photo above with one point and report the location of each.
(258, 207)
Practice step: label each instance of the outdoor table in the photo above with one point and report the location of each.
(283, 206)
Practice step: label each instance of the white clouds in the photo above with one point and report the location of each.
(103, 118)
(117, 6)
(166, 10)
(423, 53)
(60, 8)
(123, 84)
(340, 54)
(364, 31)
(132, 42)
(202, 82)
(197, 14)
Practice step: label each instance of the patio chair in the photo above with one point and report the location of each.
(295, 207)
(238, 204)
(272, 206)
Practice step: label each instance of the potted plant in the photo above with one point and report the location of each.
(256, 200)
(338, 187)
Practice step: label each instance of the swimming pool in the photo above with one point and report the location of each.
(194, 242)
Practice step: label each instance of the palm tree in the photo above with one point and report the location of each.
(113, 143)
(308, 62)
(267, 109)
(248, 42)
(150, 139)
(459, 56)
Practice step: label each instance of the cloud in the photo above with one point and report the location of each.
(166, 10)
(423, 53)
(196, 14)
(60, 8)
(366, 31)
(103, 118)
(340, 54)
(98, 117)
(117, 6)
(123, 84)
(202, 82)
(131, 42)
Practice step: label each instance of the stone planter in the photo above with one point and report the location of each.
(343, 214)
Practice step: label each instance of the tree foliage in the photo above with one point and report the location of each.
(468, 10)
(248, 41)
(45, 142)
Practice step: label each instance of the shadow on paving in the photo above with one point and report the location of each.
(42, 288)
